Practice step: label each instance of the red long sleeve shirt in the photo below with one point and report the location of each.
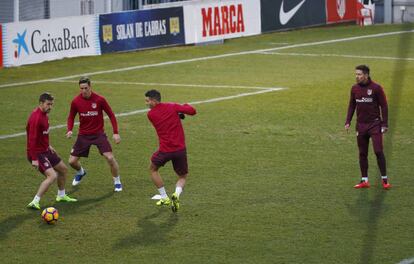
(370, 103)
(91, 114)
(37, 133)
(164, 117)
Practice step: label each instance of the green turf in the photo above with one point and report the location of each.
(271, 175)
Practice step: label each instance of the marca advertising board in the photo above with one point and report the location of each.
(215, 20)
(51, 39)
(340, 10)
(289, 14)
(141, 29)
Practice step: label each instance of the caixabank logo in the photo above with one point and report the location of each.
(20, 44)
(39, 42)
(49, 39)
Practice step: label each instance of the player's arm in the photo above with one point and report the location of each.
(112, 117)
(71, 119)
(185, 109)
(382, 100)
(33, 138)
(351, 110)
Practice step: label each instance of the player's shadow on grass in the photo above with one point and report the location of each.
(82, 205)
(150, 232)
(13, 222)
(369, 213)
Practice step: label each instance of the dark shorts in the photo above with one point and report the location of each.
(369, 128)
(83, 144)
(178, 158)
(47, 160)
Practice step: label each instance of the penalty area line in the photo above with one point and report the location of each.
(139, 111)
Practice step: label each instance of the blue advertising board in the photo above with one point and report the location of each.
(141, 29)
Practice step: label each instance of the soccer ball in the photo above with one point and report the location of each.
(50, 215)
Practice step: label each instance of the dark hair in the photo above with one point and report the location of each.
(45, 97)
(363, 68)
(153, 94)
(85, 79)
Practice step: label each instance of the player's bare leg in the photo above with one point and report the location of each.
(159, 183)
(113, 164)
(74, 162)
(51, 176)
(179, 186)
(80, 172)
(62, 171)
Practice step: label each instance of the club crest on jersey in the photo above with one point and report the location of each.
(369, 91)
(93, 105)
(46, 164)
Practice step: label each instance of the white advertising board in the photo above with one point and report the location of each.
(43, 40)
(215, 20)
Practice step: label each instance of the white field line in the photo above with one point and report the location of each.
(335, 55)
(146, 110)
(209, 58)
(179, 85)
(407, 261)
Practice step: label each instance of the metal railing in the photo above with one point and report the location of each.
(24, 10)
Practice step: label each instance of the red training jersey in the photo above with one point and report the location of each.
(37, 133)
(370, 103)
(91, 114)
(164, 117)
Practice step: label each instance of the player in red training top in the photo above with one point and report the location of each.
(41, 155)
(90, 107)
(368, 98)
(165, 117)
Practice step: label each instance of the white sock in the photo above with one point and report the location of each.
(81, 171)
(162, 192)
(117, 180)
(36, 199)
(365, 179)
(61, 193)
(384, 177)
(178, 190)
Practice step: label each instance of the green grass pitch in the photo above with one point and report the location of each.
(271, 173)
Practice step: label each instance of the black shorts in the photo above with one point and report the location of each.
(83, 144)
(47, 160)
(178, 158)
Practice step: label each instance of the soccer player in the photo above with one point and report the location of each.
(165, 117)
(41, 155)
(368, 98)
(90, 107)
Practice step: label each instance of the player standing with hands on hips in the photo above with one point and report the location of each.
(90, 107)
(165, 117)
(368, 98)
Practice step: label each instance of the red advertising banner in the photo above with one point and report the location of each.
(340, 10)
(1, 47)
